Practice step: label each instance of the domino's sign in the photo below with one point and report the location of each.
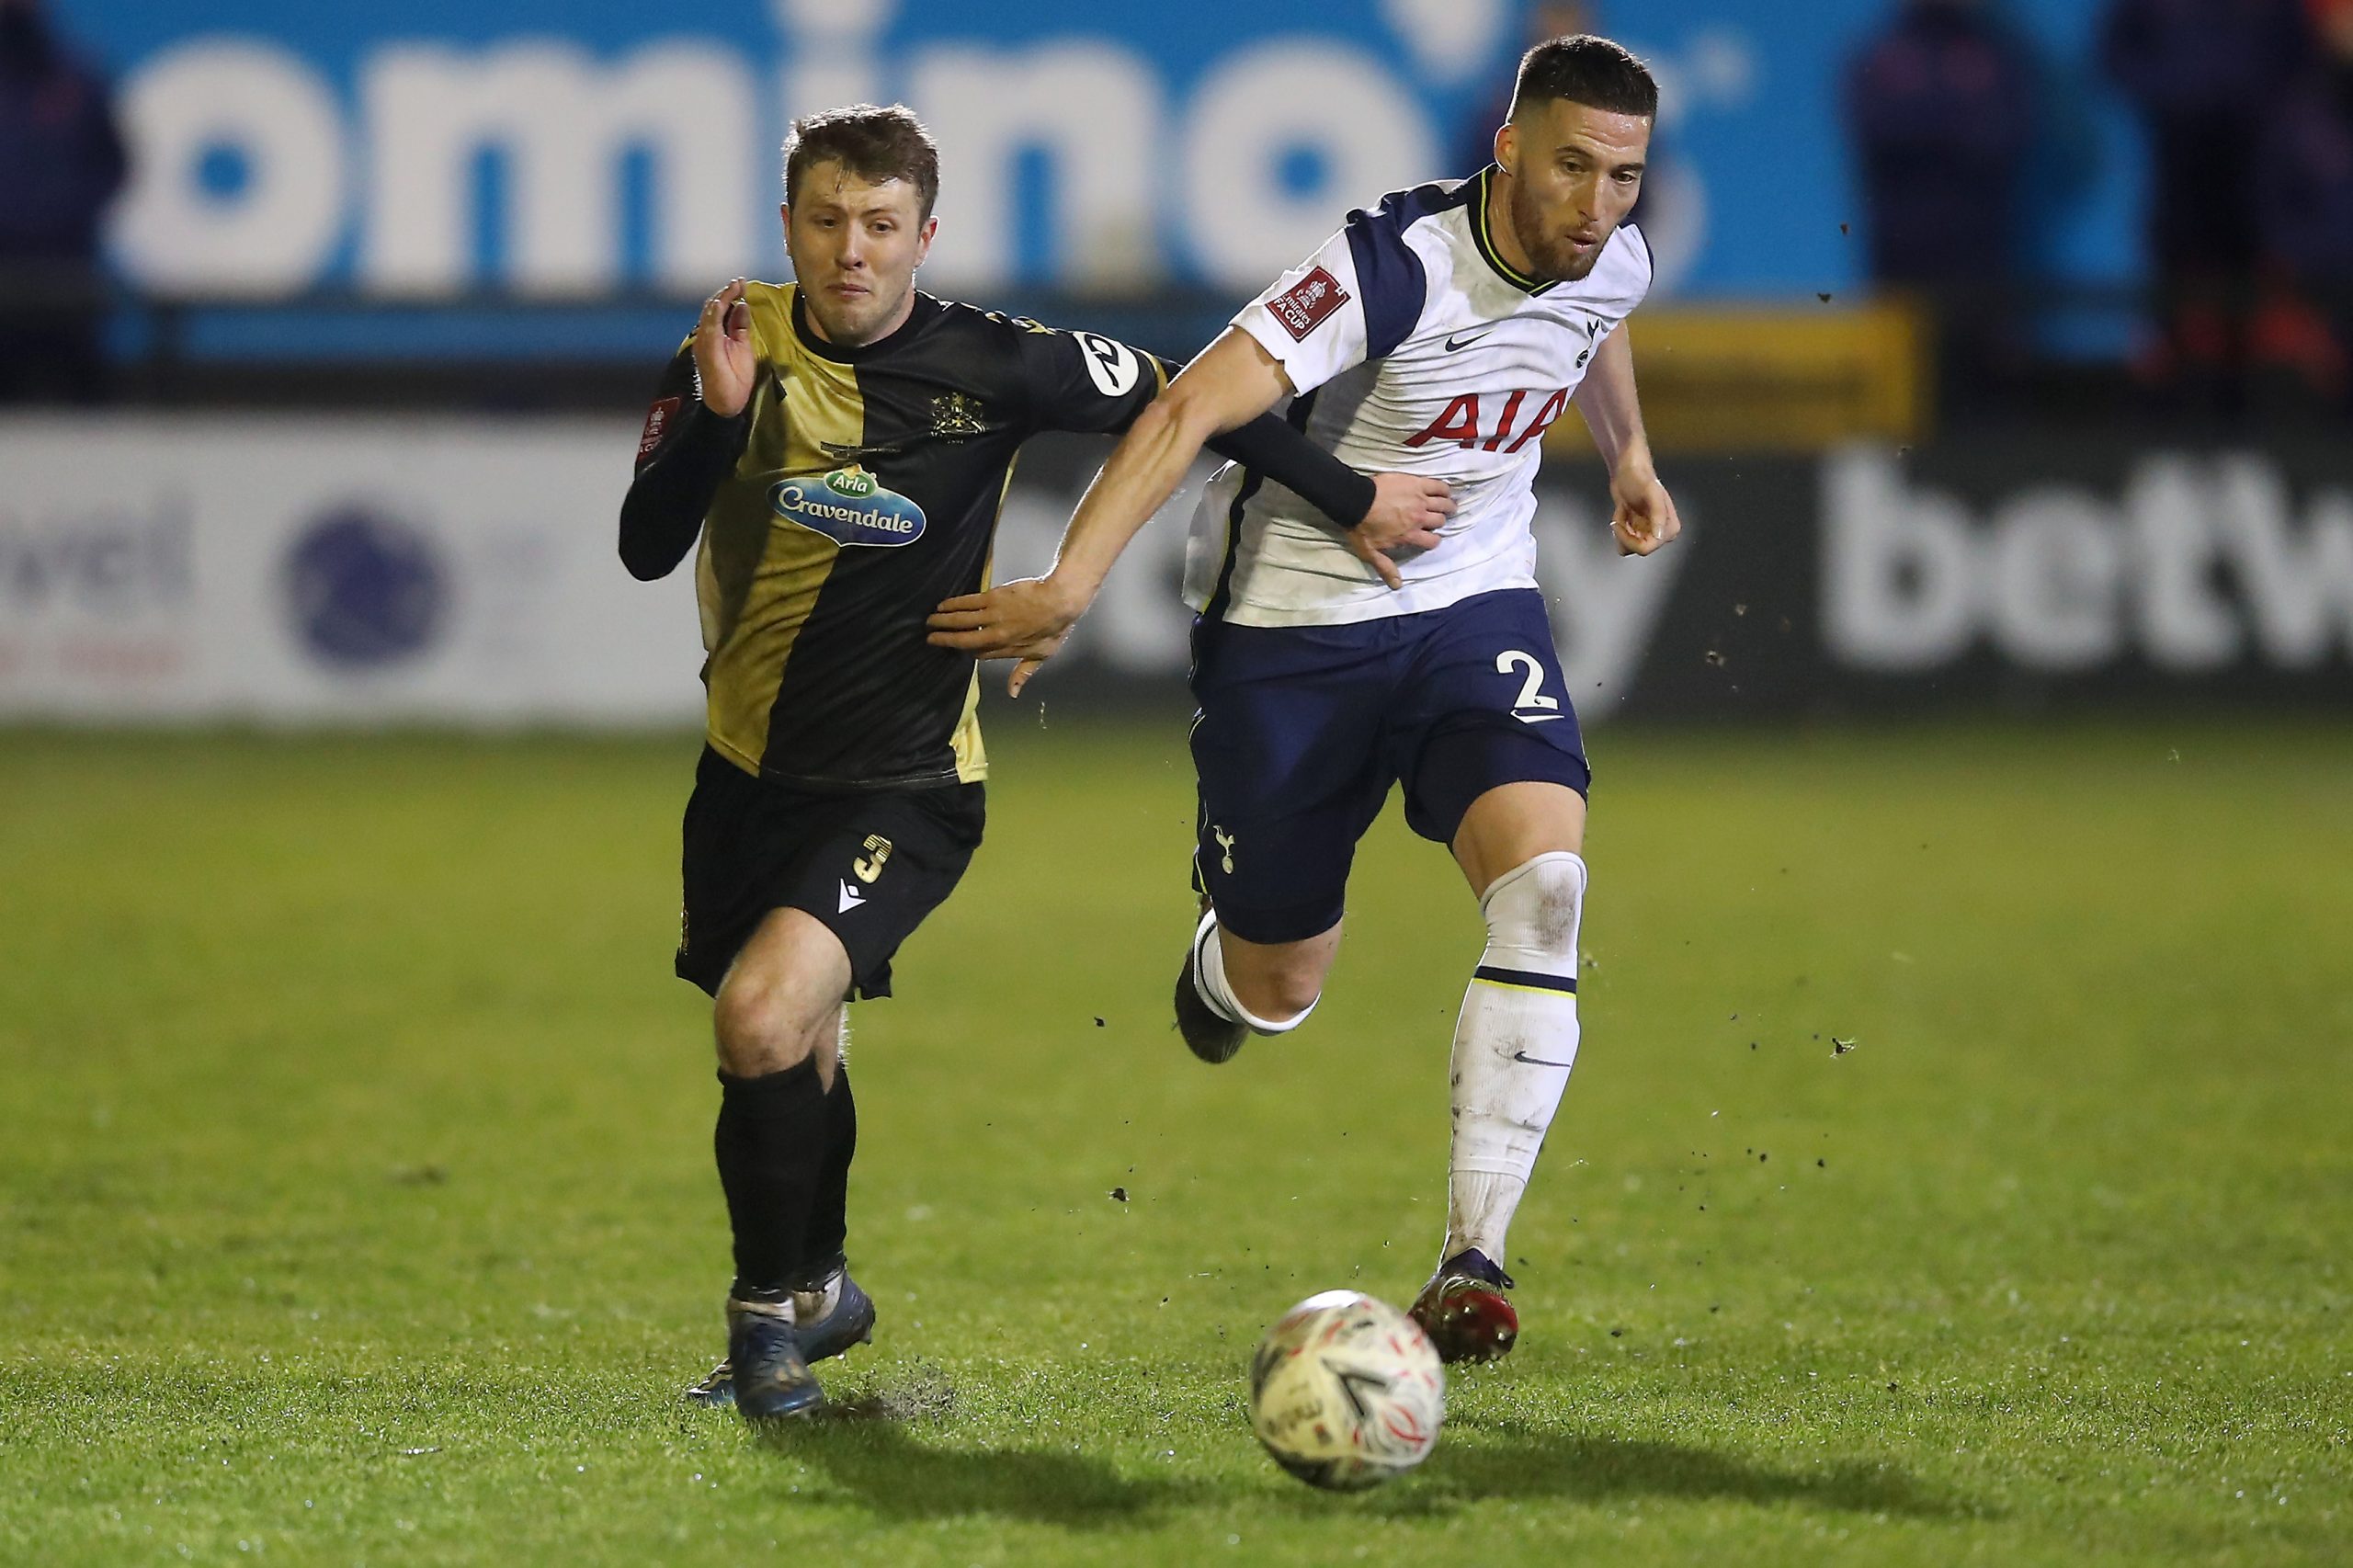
(281, 148)
(572, 147)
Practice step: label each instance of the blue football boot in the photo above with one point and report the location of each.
(828, 1321)
(834, 1316)
(716, 1392)
(771, 1378)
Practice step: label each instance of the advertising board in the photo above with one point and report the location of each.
(576, 146)
(463, 570)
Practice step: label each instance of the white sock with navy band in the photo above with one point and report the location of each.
(1514, 1044)
(1209, 980)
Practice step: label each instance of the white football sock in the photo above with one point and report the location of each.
(1209, 980)
(1514, 1044)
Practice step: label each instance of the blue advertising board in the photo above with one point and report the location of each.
(582, 146)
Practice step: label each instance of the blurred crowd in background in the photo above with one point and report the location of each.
(62, 164)
(2247, 110)
(1962, 136)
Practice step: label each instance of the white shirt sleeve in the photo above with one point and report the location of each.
(1312, 320)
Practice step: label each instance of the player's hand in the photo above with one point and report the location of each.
(1407, 511)
(1642, 515)
(723, 358)
(1028, 619)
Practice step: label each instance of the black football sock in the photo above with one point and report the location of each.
(829, 1208)
(771, 1143)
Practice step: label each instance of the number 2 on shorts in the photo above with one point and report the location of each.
(1530, 697)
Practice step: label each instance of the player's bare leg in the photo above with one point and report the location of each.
(1230, 989)
(778, 1023)
(781, 1001)
(1514, 1044)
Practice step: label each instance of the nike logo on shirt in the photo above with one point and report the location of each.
(1465, 340)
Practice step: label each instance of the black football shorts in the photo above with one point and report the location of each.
(869, 864)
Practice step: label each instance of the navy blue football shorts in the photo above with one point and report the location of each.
(1302, 730)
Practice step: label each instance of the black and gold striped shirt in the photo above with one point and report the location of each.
(859, 489)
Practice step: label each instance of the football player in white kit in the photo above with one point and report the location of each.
(1440, 333)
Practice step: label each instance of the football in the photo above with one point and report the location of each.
(1345, 1391)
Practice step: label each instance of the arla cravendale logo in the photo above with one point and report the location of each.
(848, 506)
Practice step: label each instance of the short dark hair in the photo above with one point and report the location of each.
(870, 142)
(1585, 68)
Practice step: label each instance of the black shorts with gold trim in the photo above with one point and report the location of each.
(869, 864)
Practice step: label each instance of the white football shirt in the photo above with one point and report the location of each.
(1411, 347)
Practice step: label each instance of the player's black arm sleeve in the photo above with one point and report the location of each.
(687, 451)
(1274, 446)
(1270, 446)
(1085, 382)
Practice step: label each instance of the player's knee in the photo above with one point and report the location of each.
(1281, 997)
(1535, 907)
(759, 1028)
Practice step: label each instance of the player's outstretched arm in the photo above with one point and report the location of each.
(1233, 380)
(1220, 400)
(1642, 515)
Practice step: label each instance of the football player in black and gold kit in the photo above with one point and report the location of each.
(840, 447)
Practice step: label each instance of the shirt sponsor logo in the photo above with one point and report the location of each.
(848, 506)
(1308, 303)
(1110, 365)
(658, 420)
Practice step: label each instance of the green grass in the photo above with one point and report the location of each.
(356, 1200)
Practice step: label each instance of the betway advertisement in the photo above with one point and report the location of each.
(1964, 577)
(2023, 576)
(463, 570)
(578, 146)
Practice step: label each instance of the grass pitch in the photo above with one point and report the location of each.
(355, 1201)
